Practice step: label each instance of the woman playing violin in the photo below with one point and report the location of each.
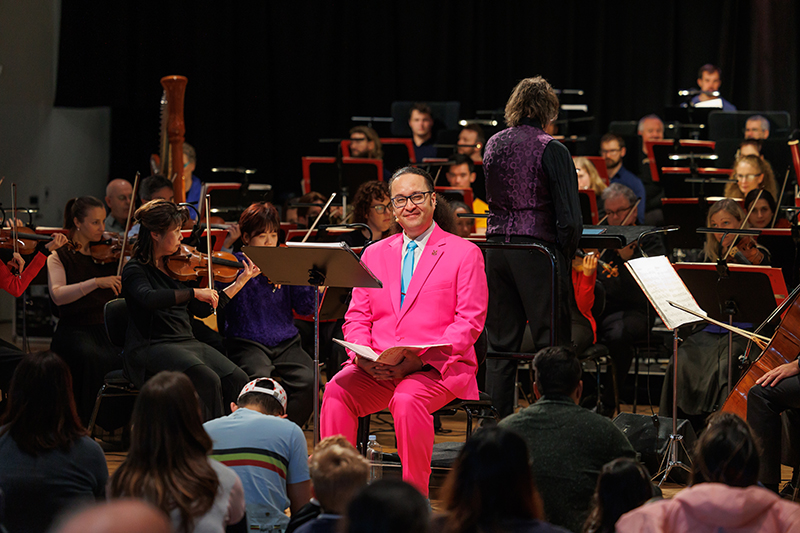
(750, 172)
(80, 288)
(703, 379)
(159, 334)
(764, 211)
(260, 335)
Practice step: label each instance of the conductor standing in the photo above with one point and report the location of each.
(531, 187)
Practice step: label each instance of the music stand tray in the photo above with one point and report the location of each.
(316, 264)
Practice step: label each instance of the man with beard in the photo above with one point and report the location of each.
(612, 148)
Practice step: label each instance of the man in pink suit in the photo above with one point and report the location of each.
(434, 292)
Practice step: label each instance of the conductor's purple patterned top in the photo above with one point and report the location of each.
(517, 187)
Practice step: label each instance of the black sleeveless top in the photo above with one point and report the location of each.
(88, 310)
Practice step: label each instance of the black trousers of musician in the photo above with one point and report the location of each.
(288, 361)
(90, 356)
(764, 408)
(619, 331)
(216, 379)
(519, 294)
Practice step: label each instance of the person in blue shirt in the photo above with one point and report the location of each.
(191, 182)
(612, 148)
(709, 79)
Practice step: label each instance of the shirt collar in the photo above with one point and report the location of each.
(421, 239)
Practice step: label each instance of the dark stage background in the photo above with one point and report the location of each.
(267, 79)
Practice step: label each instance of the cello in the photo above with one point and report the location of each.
(783, 347)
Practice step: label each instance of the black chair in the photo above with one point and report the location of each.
(472, 408)
(115, 383)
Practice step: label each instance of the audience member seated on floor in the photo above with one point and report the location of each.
(624, 484)
(168, 464)
(120, 516)
(491, 488)
(388, 506)
(275, 475)
(47, 461)
(723, 494)
(568, 444)
(337, 473)
(312, 509)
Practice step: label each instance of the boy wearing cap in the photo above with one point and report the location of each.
(267, 451)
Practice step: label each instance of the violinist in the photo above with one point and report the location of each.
(79, 287)
(703, 368)
(627, 316)
(14, 279)
(726, 214)
(155, 187)
(260, 335)
(763, 213)
(751, 172)
(371, 206)
(159, 335)
(584, 277)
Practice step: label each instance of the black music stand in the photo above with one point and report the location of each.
(315, 264)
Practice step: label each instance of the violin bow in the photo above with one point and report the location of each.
(14, 221)
(780, 197)
(127, 224)
(728, 253)
(314, 225)
(208, 246)
(760, 340)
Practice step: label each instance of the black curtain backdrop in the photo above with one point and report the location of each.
(267, 79)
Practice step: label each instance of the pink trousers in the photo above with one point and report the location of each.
(354, 393)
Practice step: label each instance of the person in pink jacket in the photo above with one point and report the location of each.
(434, 292)
(723, 496)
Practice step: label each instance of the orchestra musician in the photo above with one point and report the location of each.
(703, 368)
(434, 292)
(80, 287)
(533, 198)
(159, 335)
(764, 211)
(260, 335)
(371, 206)
(751, 172)
(15, 279)
(627, 316)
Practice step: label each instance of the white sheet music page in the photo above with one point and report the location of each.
(661, 283)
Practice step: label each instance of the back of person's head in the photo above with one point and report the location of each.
(151, 185)
(387, 506)
(491, 481)
(623, 485)
(41, 414)
(264, 395)
(337, 473)
(167, 463)
(120, 516)
(726, 453)
(532, 98)
(558, 371)
(77, 209)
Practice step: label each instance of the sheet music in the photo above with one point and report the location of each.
(660, 283)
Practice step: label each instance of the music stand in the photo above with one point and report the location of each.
(316, 264)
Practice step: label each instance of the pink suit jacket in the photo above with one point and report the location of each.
(445, 304)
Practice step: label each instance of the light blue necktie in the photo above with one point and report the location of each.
(408, 270)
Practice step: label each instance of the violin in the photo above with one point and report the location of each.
(189, 264)
(610, 270)
(109, 248)
(26, 241)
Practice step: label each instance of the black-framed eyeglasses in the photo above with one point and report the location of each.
(417, 198)
(381, 208)
(358, 139)
(618, 212)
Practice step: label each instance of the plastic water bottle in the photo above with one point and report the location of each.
(375, 458)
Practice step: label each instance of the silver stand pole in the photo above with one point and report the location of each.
(670, 459)
(316, 366)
